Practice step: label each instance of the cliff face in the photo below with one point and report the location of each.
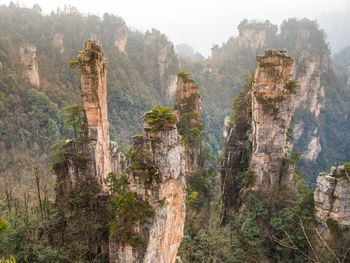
(332, 203)
(273, 105)
(257, 145)
(252, 38)
(121, 37)
(159, 53)
(93, 90)
(30, 63)
(189, 114)
(163, 168)
(83, 163)
(311, 95)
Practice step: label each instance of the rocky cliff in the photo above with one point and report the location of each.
(156, 175)
(255, 35)
(155, 179)
(93, 90)
(273, 105)
(30, 64)
(332, 204)
(310, 66)
(121, 38)
(189, 114)
(160, 54)
(256, 149)
(81, 165)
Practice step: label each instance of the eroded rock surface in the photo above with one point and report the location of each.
(30, 63)
(189, 113)
(332, 200)
(273, 105)
(93, 90)
(166, 193)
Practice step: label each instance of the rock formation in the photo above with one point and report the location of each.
(82, 164)
(273, 105)
(254, 35)
(157, 175)
(93, 90)
(160, 54)
(30, 63)
(257, 144)
(189, 114)
(332, 204)
(121, 37)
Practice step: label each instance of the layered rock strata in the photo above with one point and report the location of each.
(273, 105)
(30, 63)
(332, 203)
(189, 114)
(164, 188)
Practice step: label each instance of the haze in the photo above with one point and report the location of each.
(197, 23)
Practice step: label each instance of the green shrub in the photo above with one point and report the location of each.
(159, 117)
(333, 226)
(249, 177)
(128, 210)
(292, 86)
(3, 225)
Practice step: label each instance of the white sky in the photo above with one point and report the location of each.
(199, 23)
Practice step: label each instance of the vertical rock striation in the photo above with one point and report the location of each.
(189, 114)
(332, 204)
(83, 163)
(93, 89)
(257, 140)
(30, 63)
(273, 105)
(157, 175)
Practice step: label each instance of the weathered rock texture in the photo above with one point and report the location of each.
(189, 114)
(273, 105)
(83, 163)
(93, 89)
(30, 63)
(332, 201)
(165, 192)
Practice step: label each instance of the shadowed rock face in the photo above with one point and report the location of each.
(189, 113)
(166, 195)
(93, 90)
(332, 201)
(30, 63)
(273, 105)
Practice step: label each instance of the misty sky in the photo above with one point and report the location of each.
(199, 23)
